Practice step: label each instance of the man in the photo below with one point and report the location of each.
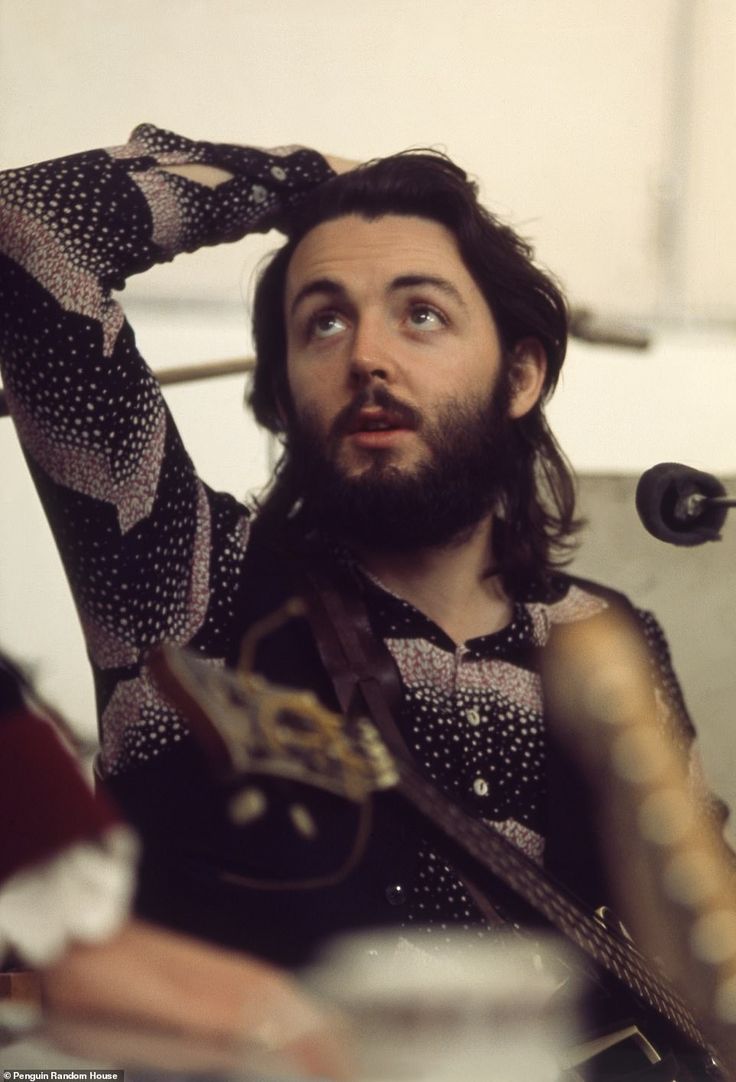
(406, 343)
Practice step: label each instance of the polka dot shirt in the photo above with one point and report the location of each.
(151, 552)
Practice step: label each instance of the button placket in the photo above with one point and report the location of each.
(458, 658)
(395, 894)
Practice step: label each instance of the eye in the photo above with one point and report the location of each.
(325, 325)
(425, 317)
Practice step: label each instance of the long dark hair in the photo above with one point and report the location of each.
(536, 523)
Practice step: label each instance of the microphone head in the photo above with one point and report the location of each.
(661, 500)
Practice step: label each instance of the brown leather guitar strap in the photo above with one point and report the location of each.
(363, 673)
(358, 665)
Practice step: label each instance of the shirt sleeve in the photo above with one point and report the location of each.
(150, 552)
(674, 715)
(82, 894)
(46, 803)
(670, 699)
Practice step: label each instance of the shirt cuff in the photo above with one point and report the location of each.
(83, 894)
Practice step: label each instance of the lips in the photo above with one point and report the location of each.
(374, 419)
(377, 420)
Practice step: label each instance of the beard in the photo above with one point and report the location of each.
(469, 451)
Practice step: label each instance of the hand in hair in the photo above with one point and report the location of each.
(341, 165)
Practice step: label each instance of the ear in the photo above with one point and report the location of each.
(528, 370)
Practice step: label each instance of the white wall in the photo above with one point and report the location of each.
(563, 109)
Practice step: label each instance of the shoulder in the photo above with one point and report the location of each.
(12, 684)
(571, 599)
(565, 598)
(561, 585)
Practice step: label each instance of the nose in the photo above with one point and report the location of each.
(370, 356)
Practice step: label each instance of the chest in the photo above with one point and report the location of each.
(476, 725)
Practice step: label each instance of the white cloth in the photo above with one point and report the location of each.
(83, 894)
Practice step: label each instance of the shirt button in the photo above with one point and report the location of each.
(480, 787)
(395, 894)
(472, 717)
(278, 173)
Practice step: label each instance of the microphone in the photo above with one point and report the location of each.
(681, 505)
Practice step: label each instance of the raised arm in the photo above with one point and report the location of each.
(149, 551)
(71, 231)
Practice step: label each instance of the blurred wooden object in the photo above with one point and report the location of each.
(673, 878)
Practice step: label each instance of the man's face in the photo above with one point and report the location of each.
(386, 331)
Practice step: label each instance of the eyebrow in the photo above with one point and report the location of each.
(332, 288)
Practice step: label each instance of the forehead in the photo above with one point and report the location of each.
(361, 254)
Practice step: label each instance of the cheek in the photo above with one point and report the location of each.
(302, 394)
(308, 404)
(313, 387)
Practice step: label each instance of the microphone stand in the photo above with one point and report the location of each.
(691, 506)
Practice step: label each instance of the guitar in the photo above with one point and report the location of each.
(248, 727)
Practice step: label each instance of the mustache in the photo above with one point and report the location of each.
(401, 412)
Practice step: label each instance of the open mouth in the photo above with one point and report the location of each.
(377, 420)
